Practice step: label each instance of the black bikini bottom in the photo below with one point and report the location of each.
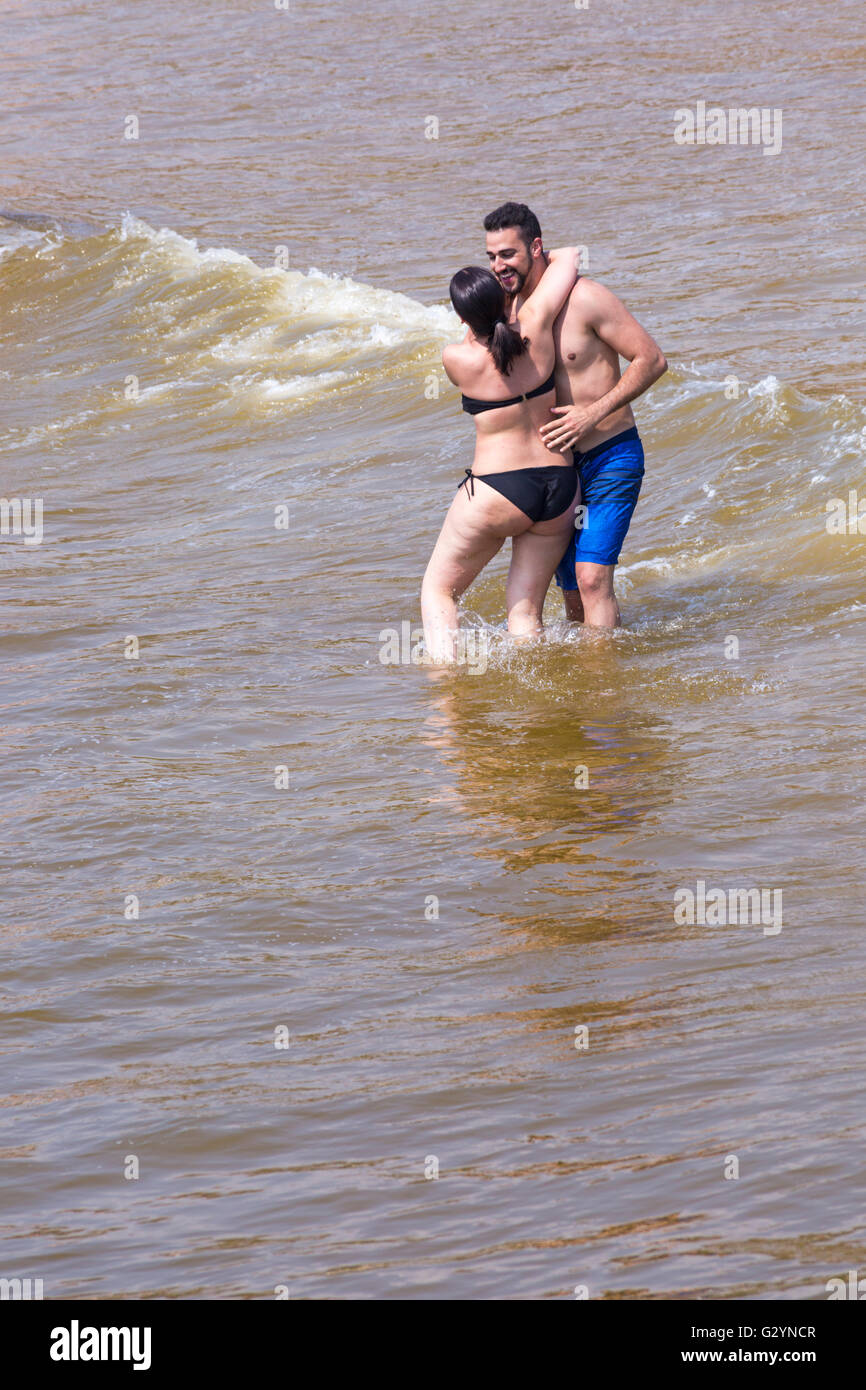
(542, 493)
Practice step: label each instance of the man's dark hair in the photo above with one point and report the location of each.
(514, 215)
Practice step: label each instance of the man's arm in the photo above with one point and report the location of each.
(554, 287)
(613, 323)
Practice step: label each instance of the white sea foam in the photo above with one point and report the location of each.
(161, 388)
(387, 315)
(271, 389)
(320, 330)
(290, 334)
(659, 564)
(767, 386)
(13, 237)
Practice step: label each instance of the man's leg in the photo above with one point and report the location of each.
(567, 581)
(573, 605)
(611, 478)
(595, 587)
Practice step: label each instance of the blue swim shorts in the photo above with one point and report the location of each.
(610, 478)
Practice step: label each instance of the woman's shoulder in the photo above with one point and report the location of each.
(456, 358)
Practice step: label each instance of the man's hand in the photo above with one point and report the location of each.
(563, 434)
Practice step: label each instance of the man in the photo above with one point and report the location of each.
(594, 415)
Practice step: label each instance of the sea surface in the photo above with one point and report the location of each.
(354, 980)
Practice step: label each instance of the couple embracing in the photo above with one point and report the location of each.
(539, 371)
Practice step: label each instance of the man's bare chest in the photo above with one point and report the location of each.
(577, 344)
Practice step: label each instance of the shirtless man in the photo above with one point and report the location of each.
(594, 415)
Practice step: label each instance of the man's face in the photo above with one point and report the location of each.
(510, 258)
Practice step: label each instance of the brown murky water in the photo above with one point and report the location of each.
(476, 957)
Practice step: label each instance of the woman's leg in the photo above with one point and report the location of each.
(474, 530)
(534, 557)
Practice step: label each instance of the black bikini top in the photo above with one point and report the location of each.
(475, 407)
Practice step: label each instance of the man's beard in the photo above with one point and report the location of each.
(519, 281)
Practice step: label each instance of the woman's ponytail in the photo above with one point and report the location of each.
(505, 344)
(479, 299)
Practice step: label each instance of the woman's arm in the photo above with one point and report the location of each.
(553, 288)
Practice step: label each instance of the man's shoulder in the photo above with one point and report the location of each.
(587, 291)
(586, 299)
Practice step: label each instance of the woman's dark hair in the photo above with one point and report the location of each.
(479, 299)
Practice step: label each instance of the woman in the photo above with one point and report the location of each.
(515, 486)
